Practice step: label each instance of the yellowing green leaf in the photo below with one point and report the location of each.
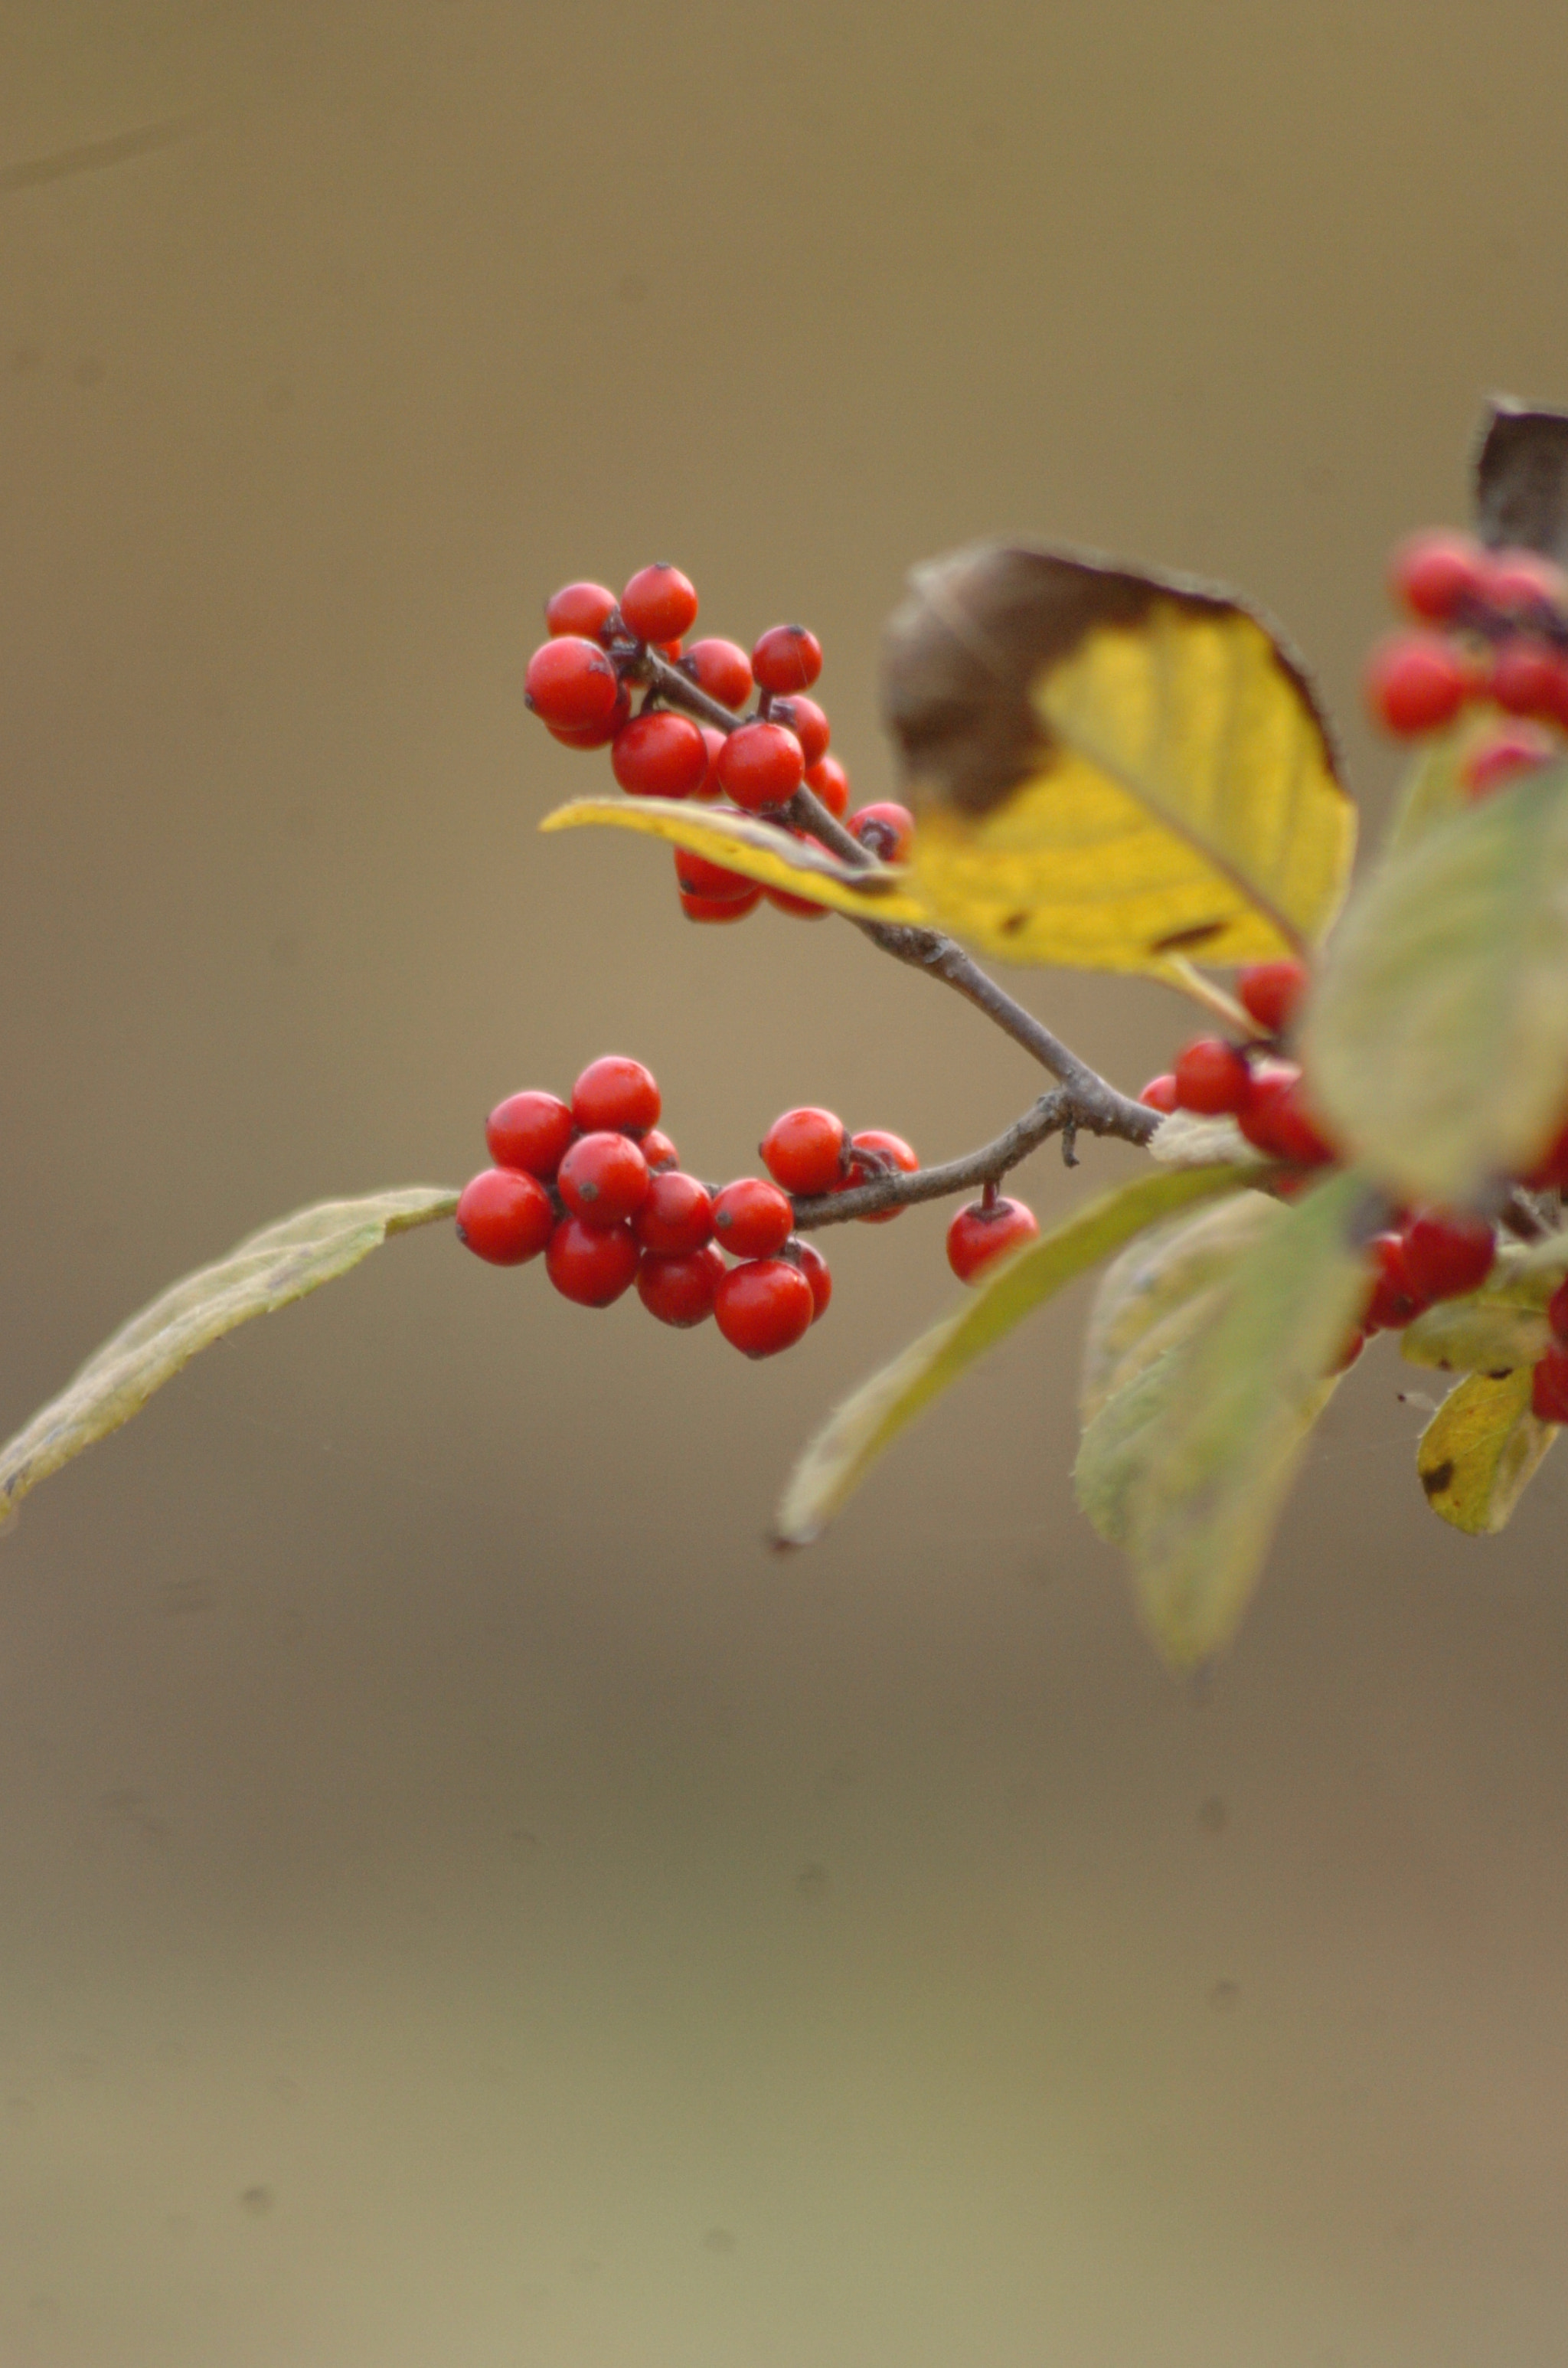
(1474, 1335)
(281, 1264)
(1185, 1140)
(838, 1457)
(1527, 1273)
(1110, 766)
(1438, 1039)
(1187, 1465)
(1156, 1292)
(760, 849)
(1433, 790)
(1480, 1451)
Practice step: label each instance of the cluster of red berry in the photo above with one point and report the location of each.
(580, 683)
(1494, 631)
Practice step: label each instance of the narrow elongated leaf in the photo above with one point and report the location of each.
(1438, 1039)
(1109, 766)
(759, 849)
(1475, 1336)
(1480, 1451)
(274, 1266)
(1188, 1464)
(838, 1457)
(1151, 1297)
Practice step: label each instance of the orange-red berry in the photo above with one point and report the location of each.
(1276, 1121)
(1394, 1300)
(530, 1131)
(764, 1306)
(680, 1290)
(658, 1151)
(1271, 991)
(659, 604)
(752, 1219)
(1212, 1077)
(604, 1179)
(828, 780)
(1557, 1312)
(815, 1268)
(1160, 1093)
(888, 1152)
(591, 1264)
(617, 1094)
(676, 1217)
(1416, 683)
(596, 735)
(719, 908)
(786, 660)
(806, 720)
(761, 765)
(888, 830)
(1448, 1252)
(660, 756)
(580, 609)
(505, 1216)
(572, 684)
(1503, 756)
(806, 1151)
(1529, 678)
(981, 1233)
(1548, 1387)
(720, 669)
(1524, 585)
(701, 878)
(1437, 575)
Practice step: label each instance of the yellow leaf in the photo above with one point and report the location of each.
(266, 1272)
(1110, 766)
(760, 849)
(1481, 1450)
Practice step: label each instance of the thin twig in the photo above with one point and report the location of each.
(1055, 1113)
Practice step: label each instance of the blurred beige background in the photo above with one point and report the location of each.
(461, 1900)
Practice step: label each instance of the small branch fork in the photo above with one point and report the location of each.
(1081, 1102)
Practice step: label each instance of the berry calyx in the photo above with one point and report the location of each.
(1160, 1093)
(720, 669)
(659, 604)
(1212, 1078)
(658, 1151)
(680, 1291)
(1271, 991)
(828, 780)
(616, 1094)
(786, 658)
(719, 908)
(530, 1133)
(761, 765)
(591, 1264)
(572, 684)
(764, 1306)
(604, 1179)
(753, 1218)
(985, 1231)
(1415, 683)
(582, 609)
(701, 878)
(1548, 1387)
(1503, 757)
(677, 1218)
(806, 720)
(888, 830)
(818, 1274)
(886, 1153)
(1448, 1253)
(806, 1151)
(660, 756)
(1439, 575)
(1394, 1300)
(505, 1216)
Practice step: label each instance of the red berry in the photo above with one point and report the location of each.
(719, 908)
(979, 1234)
(1395, 1301)
(800, 908)
(1212, 1077)
(660, 756)
(658, 1151)
(1523, 584)
(786, 659)
(1448, 1253)
(753, 1218)
(1417, 682)
(592, 1264)
(670, 650)
(1276, 1121)
(1437, 575)
(1160, 1093)
(1552, 1168)
(679, 1290)
(676, 1217)
(530, 1131)
(1557, 1312)
(1503, 757)
(828, 780)
(887, 829)
(761, 765)
(713, 740)
(1529, 678)
(701, 878)
(815, 1268)
(572, 684)
(580, 609)
(597, 735)
(720, 669)
(505, 1217)
(764, 1306)
(617, 1095)
(1548, 1387)
(603, 1179)
(889, 1151)
(659, 604)
(806, 1151)
(1269, 993)
(806, 720)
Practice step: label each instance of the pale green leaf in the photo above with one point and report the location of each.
(1436, 1042)
(266, 1272)
(838, 1457)
(1474, 1335)
(1433, 790)
(1190, 1465)
(1527, 1273)
(1151, 1298)
(1182, 1139)
(1481, 1450)
(761, 850)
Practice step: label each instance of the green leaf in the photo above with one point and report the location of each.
(1471, 1336)
(1153, 1295)
(759, 849)
(1436, 1042)
(838, 1457)
(274, 1266)
(1112, 765)
(1480, 1451)
(1527, 1273)
(1432, 789)
(1188, 1464)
